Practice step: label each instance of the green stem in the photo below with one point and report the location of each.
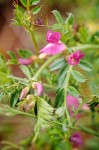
(34, 42)
(28, 6)
(21, 113)
(52, 88)
(10, 144)
(68, 126)
(65, 93)
(44, 66)
(86, 46)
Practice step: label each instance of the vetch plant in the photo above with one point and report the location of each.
(57, 68)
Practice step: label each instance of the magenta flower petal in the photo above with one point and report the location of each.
(75, 57)
(26, 61)
(78, 54)
(39, 88)
(76, 139)
(53, 49)
(72, 101)
(53, 37)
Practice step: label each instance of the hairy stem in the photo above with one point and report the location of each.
(21, 113)
(86, 46)
(45, 65)
(65, 93)
(28, 6)
(34, 42)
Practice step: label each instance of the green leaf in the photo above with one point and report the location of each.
(20, 9)
(26, 71)
(12, 55)
(72, 91)
(34, 2)
(36, 10)
(25, 53)
(24, 2)
(57, 64)
(88, 130)
(2, 59)
(60, 111)
(14, 98)
(83, 34)
(56, 26)
(57, 16)
(85, 65)
(1, 95)
(45, 113)
(70, 19)
(62, 76)
(59, 98)
(78, 76)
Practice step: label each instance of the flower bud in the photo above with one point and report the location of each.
(29, 97)
(29, 106)
(42, 55)
(24, 92)
(38, 86)
(39, 21)
(26, 61)
(34, 57)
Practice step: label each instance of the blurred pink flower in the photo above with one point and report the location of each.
(85, 107)
(76, 139)
(39, 88)
(25, 61)
(75, 57)
(73, 103)
(55, 46)
(24, 93)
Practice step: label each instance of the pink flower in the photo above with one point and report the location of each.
(73, 104)
(24, 93)
(26, 61)
(53, 49)
(38, 86)
(76, 139)
(75, 57)
(53, 37)
(55, 46)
